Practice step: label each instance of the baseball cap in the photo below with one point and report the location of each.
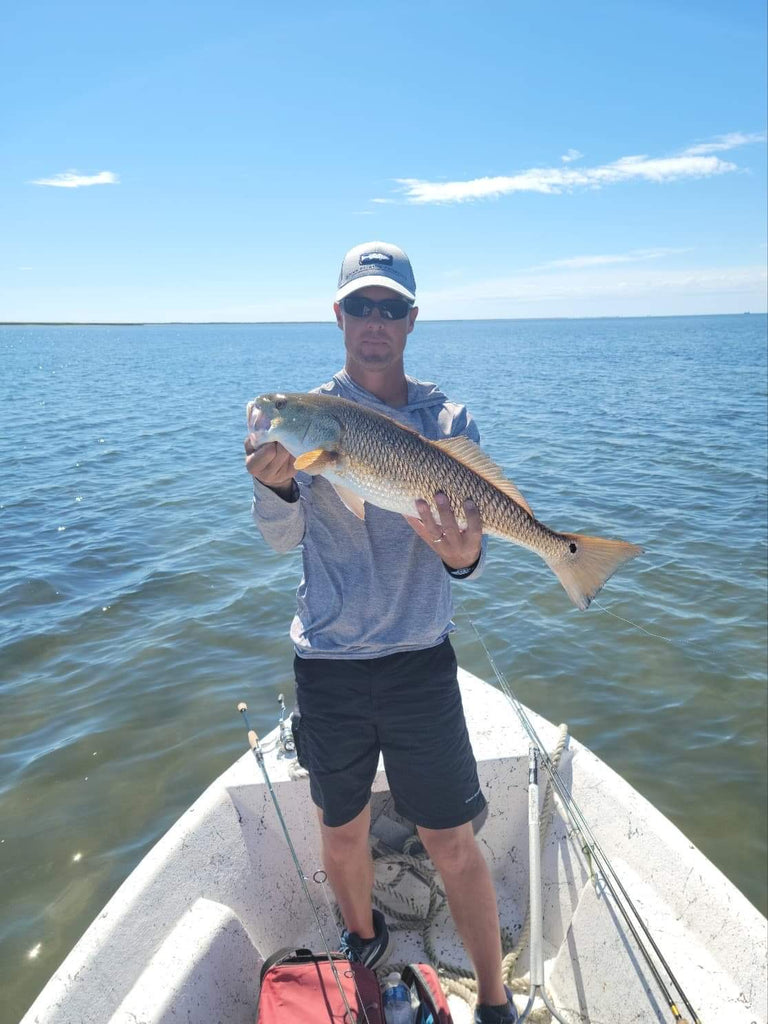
(376, 263)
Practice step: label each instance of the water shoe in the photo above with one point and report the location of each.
(497, 1014)
(369, 951)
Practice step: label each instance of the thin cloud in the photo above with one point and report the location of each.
(557, 180)
(600, 292)
(571, 155)
(633, 256)
(71, 179)
(724, 142)
(695, 162)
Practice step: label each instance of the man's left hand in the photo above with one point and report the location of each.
(458, 548)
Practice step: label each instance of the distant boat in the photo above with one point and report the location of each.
(185, 935)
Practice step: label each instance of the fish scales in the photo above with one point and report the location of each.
(413, 467)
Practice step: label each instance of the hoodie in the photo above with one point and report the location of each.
(369, 587)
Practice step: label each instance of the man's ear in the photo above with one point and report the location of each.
(414, 312)
(337, 311)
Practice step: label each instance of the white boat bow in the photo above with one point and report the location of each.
(185, 935)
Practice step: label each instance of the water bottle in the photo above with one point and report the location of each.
(397, 1001)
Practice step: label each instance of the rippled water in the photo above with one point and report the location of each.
(137, 605)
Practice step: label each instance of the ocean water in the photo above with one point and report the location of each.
(138, 604)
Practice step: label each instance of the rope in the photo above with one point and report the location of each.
(295, 771)
(454, 980)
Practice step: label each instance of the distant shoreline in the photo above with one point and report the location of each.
(254, 323)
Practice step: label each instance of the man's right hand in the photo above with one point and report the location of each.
(272, 465)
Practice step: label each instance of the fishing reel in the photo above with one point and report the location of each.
(286, 742)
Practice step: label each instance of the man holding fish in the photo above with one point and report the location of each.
(380, 480)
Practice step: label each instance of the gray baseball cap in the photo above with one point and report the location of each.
(376, 263)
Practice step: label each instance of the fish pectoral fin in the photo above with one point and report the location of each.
(353, 501)
(464, 450)
(316, 461)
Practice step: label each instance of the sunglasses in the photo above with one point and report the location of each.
(389, 309)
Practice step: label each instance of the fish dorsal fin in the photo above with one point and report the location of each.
(353, 502)
(316, 461)
(464, 450)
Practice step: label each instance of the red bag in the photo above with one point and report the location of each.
(300, 987)
(433, 1004)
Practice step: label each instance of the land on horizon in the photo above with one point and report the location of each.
(434, 320)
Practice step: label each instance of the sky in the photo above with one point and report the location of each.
(213, 162)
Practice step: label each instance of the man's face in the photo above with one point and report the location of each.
(374, 343)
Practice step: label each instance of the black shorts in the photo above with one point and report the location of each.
(408, 706)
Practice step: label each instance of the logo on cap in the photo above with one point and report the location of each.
(375, 257)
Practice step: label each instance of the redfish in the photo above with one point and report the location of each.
(367, 456)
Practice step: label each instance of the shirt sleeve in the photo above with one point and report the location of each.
(281, 523)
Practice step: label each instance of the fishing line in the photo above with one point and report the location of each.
(658, 636)
(258, 753)
(591, 847)
(689, 646)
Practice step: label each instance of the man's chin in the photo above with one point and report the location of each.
(372, 360)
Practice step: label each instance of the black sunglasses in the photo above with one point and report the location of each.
(389, 309)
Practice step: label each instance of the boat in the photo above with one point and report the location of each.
(185, 935)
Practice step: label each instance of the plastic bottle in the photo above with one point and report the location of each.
(397, 1000)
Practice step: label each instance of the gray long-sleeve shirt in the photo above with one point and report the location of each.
(370, 587)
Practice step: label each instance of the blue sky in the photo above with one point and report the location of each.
(205, 161)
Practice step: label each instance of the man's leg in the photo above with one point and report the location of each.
(349, 866)
(340, 747)
(472, 900)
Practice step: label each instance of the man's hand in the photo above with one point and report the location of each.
(457, 548)
(272, 465)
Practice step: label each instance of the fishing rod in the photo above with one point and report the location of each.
(591, 846)
(258, 753)
(535, 913)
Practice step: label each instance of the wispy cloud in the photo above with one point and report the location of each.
(597, 291)
(71, 179)
(556, 180)
(571, 155)
(724, 142)
(633, 256)
(695, 162)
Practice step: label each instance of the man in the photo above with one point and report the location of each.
(375, 670)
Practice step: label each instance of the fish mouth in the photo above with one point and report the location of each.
(258, 420)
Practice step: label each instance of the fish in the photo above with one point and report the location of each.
(368, 456)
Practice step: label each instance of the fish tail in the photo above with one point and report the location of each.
(583, 571)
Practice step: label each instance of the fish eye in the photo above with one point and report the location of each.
(280, 403)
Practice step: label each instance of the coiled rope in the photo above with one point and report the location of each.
(406, 915)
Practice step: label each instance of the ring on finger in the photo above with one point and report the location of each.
(439, 540)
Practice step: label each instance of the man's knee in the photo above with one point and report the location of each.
(348, 840)
(451, 850)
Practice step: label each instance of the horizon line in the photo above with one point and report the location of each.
(436, 320)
